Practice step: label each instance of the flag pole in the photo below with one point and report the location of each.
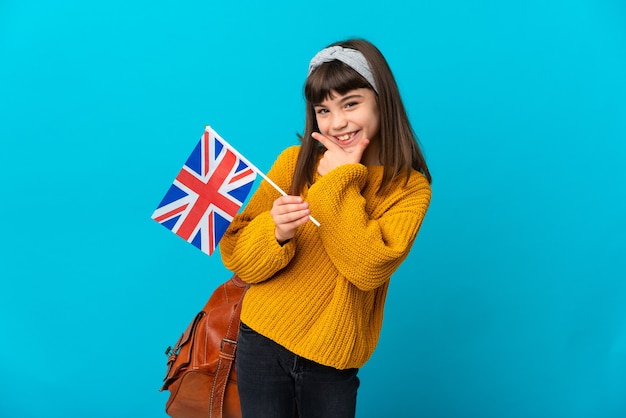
(252, 166)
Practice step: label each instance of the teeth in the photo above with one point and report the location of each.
(344, 137)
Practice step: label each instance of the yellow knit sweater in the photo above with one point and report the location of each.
(321, 295)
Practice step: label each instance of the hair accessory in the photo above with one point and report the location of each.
(349, 56)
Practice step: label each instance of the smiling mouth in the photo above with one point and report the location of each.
(345, 137)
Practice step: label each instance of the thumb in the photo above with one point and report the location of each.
(361, 145)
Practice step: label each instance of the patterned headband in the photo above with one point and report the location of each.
(351, 57)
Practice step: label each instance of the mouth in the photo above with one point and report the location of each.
(346, 137)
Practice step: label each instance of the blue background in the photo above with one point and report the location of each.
(513, 301)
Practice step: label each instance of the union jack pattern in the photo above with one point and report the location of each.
(207, 193)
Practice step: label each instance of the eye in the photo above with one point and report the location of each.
(321, 111)
(351, 104)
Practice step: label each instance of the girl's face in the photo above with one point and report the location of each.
(346, 119)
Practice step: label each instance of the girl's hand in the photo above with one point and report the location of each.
(334, 156)
(288, 213)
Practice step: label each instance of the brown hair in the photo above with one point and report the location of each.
(399, 148)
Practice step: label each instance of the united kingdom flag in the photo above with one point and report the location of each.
(207, 193)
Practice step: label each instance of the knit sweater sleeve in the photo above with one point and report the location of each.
(249, 247)
(367, 243)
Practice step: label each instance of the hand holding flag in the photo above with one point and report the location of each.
(208, 192)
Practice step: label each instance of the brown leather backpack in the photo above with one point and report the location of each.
(201, 374)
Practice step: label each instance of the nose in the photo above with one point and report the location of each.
(338, 121)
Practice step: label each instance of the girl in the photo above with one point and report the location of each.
(313, 312)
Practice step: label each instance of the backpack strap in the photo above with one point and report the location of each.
(228, 347)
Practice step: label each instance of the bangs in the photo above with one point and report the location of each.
(332, 76)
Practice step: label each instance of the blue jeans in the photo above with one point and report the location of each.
(273, 382)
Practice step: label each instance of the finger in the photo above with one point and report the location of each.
(286, 224)
(288, 200)
(285, 231)
(294, 216)
(282, 201)
(291, 212)
(288, 208)
(327, 142)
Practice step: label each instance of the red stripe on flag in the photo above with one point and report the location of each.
(240, 175)
(208, 193)
(171, 213)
